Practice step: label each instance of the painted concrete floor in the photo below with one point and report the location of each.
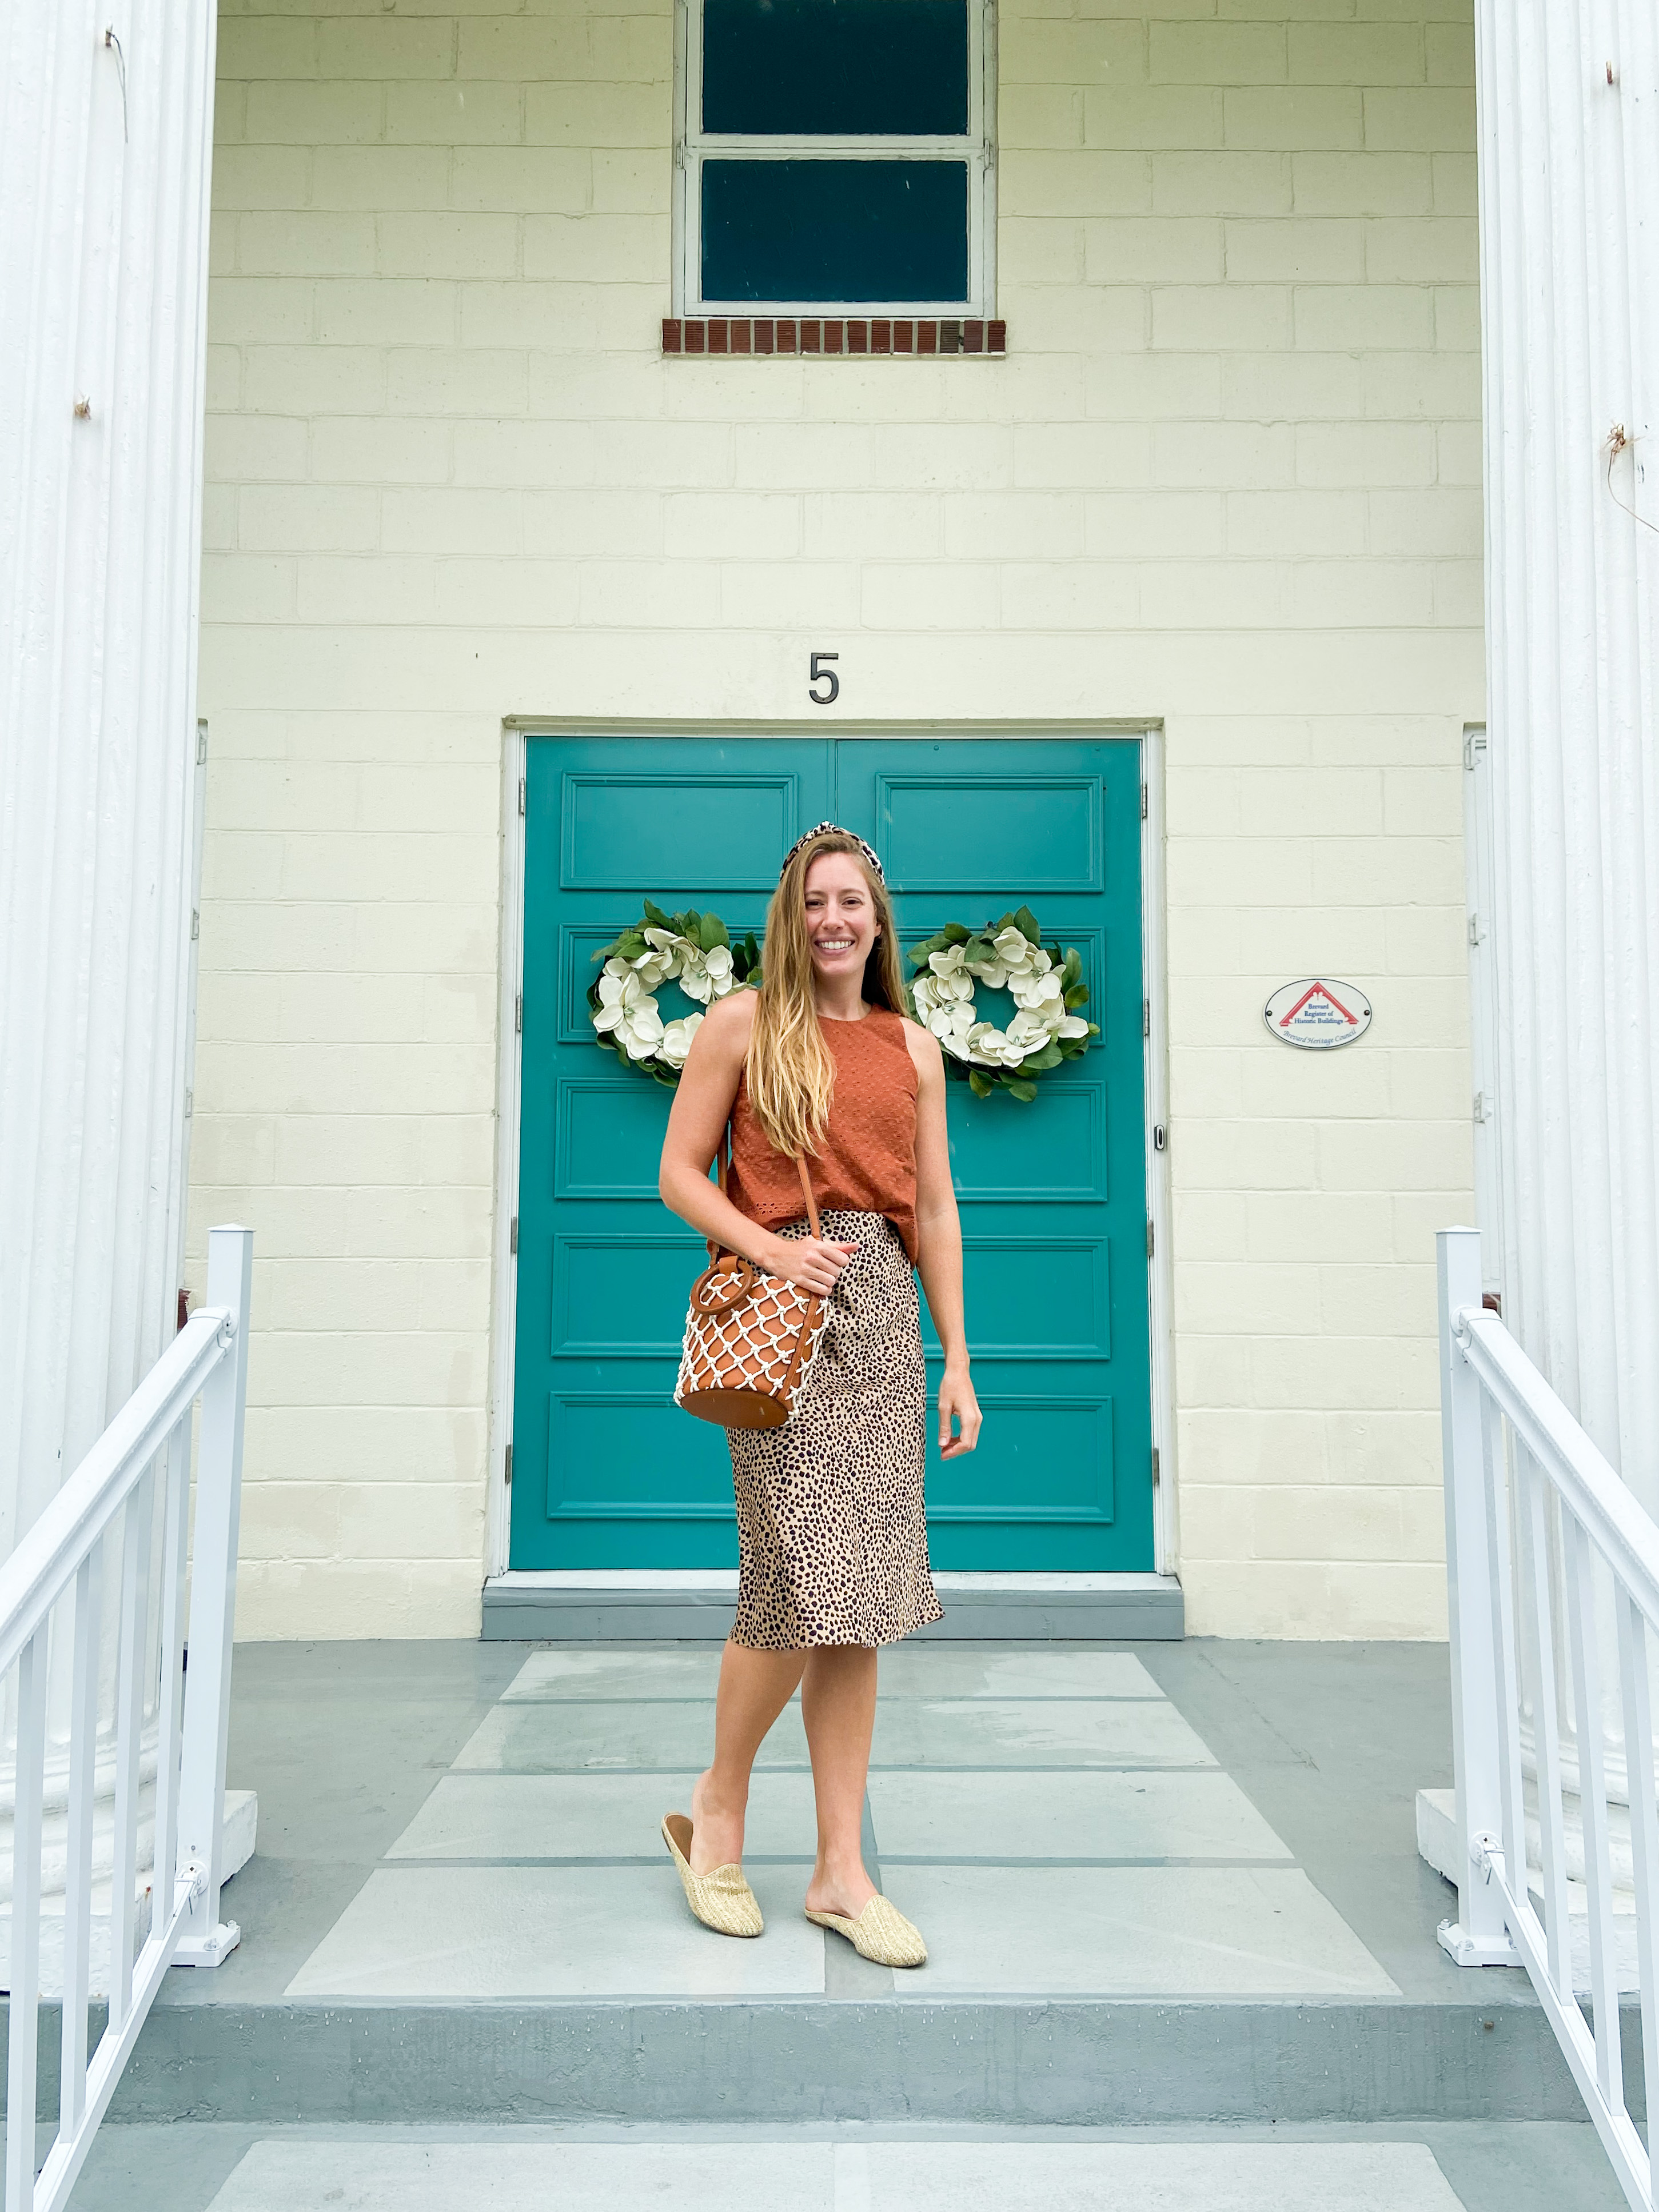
(442, 1819)
(1049, 1819)
(1467, 2168)
(453, 1820)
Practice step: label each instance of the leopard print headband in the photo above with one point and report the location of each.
(818, 829)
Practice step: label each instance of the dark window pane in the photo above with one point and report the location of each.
(836, 67)
(847, 231)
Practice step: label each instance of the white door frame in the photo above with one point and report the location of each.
(517, 729)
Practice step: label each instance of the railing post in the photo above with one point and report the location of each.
(205, 1941)
(1479, 1937)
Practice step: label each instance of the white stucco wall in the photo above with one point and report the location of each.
(1228, 476)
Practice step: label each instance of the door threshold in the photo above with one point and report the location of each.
(629, 1605)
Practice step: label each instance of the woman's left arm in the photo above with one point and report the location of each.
(938, 1232)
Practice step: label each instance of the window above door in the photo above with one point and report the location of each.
(835, 154)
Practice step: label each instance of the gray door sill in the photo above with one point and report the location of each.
(643, 1605)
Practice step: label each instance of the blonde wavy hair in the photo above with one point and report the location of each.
(791, 1072)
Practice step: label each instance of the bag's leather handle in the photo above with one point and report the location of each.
(723, 1161)
(806, 1192)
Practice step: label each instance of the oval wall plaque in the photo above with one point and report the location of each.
(1317, 1016)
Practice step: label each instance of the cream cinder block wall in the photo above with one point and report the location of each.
(1227, 478)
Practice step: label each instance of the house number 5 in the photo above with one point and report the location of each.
(818, 673)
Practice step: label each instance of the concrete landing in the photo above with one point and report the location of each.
(1163, 1884)
(1047, 1818)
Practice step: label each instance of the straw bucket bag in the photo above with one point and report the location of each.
(749, 1338)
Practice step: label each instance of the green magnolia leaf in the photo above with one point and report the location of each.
(631, 945)
(979, 1082)
(1025, 920)
(657, 918)
(1076, 997)
(1036, 1062)
(1022, 1089)
(1071, 971)
(713, 933)
(954, 934)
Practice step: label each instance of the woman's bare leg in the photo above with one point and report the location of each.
(755, 1687)
(838, 1703)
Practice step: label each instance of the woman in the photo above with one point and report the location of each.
(822, 1062)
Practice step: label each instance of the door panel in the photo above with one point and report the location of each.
(978, 832)
(1052, 1193)
(684, 829)
(607, 1472)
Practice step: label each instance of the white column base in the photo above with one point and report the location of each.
(214, 1950)
(1463, 1950)
(240, 1831)
(1437, 1843)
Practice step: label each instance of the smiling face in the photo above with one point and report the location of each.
(841, 916)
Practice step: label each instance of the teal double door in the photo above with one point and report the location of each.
(606, 1472)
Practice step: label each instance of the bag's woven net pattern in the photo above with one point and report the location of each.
(748, 1332)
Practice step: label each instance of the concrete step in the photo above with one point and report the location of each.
(1002, 2061)
(1518, 2168)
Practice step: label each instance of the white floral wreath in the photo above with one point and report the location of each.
(692, 950)
(1046, 985)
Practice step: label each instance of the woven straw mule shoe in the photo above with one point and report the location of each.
(881, 1934)
(722, 1898)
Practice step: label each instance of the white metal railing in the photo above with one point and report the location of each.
(1521, 1473)
(101, 1524)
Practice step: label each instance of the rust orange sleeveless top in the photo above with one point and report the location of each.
(867, 1157)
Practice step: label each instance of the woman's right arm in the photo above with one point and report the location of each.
(702, 1104)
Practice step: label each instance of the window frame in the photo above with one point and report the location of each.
(693, 145)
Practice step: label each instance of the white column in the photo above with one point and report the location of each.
(105, 125)
(1569, 146)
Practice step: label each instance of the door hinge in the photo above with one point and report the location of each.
(1145, 1017)
(195, 924)
(512, 1237)
(1474, 745)
(1149, 1239)
(509, 1467)
(521, 794)
(1157, 1476)
(1482, 1108)
(518, 1013)
(1143, 802)
(1160, 1138)
(201, 742)
(1475, 931)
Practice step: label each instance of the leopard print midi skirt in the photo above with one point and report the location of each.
(832, 1530)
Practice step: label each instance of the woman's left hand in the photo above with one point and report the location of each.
(956, 1400)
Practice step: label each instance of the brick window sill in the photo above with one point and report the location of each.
(905, 337)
